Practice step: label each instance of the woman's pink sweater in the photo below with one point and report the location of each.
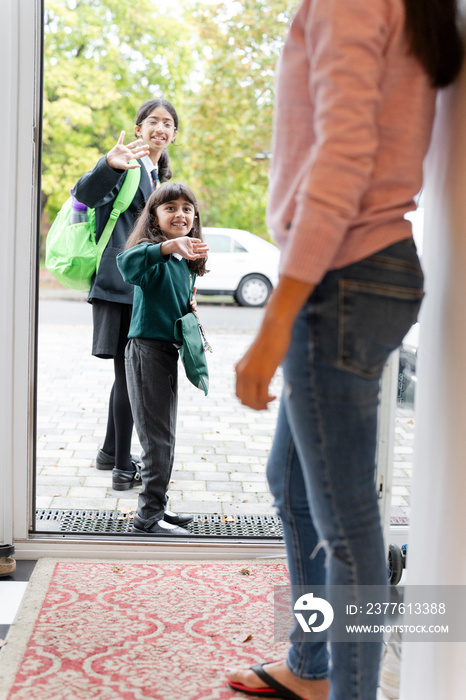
(353, 120)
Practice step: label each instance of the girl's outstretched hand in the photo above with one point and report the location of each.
(187, 247)
(120, 155)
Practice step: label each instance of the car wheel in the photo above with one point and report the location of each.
(253, 290)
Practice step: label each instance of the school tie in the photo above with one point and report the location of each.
(155, 178)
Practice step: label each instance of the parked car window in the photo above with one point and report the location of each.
(218, 243)
(239, 248)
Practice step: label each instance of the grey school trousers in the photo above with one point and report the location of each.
(152, 377)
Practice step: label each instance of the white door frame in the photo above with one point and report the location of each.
(20, 88)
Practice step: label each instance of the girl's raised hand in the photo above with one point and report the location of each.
(120, 155)
(189, 248)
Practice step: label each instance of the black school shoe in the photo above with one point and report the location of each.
(177, 518)
(123, 479)
(159, 528)
(106, 462)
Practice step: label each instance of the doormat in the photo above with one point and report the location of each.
(140, 630)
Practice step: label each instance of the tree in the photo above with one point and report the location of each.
(229, 123)
(103, 58)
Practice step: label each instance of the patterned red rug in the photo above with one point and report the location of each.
(140, 630)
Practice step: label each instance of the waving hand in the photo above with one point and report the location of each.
(120, 155)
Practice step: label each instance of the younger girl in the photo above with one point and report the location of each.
(162, 257)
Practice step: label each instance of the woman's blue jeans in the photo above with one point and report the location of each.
(321, 469)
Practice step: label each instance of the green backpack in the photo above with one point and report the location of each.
(71, 252)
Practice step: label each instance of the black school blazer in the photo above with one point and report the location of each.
(98, 189)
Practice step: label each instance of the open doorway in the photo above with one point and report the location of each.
(100, 64)
(219, 473)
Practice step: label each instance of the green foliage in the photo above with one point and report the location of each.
(216, 63)
(230, 124)
(103, 58)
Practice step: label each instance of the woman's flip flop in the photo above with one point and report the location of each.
(275, 689)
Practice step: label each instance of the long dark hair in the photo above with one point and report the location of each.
(143, 112)
(147, 229)
(434, 37)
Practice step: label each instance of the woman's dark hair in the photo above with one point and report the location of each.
(147, 229)
(434, 37)
(143, 112)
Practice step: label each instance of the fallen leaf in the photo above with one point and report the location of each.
(228, 519)
(126, 510)
(245, 572)
(245, 637)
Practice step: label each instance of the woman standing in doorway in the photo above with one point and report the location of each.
(354, 112)
(112, 298)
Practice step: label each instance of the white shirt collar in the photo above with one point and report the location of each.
(148, 164)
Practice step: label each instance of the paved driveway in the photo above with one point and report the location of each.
(222, 446)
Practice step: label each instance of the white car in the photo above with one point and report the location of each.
(240, 264)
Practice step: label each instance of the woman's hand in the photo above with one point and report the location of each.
(120, 155)
(187, 247)
(256, 368)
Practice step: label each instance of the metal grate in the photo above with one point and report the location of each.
(116, 522)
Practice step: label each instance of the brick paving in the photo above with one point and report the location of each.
(221, 450)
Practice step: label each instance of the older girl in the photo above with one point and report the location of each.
(112, 298)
